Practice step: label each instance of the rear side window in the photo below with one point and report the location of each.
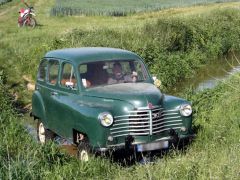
(42, 70)
(68, 77)
(53, 68)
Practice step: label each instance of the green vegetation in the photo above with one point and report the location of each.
(174, 43)
(4, 1)
(214, 154)
(173, 48)
(118, 8)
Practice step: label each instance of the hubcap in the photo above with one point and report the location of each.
(41, 133)
(84, 156)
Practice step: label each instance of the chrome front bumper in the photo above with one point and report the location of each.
(159, 144)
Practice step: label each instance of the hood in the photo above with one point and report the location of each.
(138, 94)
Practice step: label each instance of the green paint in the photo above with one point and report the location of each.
(63, 110)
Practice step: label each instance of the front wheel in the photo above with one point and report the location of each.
(30, 22)
(44, 135)
(84, 151)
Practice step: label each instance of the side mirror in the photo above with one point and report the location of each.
(156, 81)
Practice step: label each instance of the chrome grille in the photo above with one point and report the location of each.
(146, 122)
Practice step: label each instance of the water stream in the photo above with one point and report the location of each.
(206, 77)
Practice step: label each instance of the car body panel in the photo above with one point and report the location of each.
(65, 110)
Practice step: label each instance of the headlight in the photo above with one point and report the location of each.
(106, 119)
(185, 110)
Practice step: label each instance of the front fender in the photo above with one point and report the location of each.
(172, 104)
(87, 122)
(87, 111)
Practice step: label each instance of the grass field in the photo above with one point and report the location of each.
(119, 8)
(4, 1)
(187, 34)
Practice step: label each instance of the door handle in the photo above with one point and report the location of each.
(54, 93)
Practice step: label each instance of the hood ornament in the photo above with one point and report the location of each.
(150, 106)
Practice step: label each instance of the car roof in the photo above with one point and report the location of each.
(91, 54)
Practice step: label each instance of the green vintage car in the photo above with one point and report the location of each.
(103, 99)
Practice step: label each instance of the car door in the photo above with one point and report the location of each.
(64, 100)
(51, 94)
(39, 105)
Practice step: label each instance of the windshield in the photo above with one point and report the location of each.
(112, 72)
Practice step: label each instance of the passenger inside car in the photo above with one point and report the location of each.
(95, 75)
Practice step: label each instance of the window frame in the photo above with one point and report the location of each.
(147, 80)
(61, 73)
(48, 71)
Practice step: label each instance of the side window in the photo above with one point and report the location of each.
(68, 78)
(53, 68)
(42, 70)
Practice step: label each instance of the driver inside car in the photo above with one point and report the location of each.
(119, 77)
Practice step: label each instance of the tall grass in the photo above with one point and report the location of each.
(118, 8)
(213, 155)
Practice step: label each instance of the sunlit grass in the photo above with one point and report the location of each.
(213, 155)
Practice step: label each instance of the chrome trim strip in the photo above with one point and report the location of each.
(151, 120)
(163, 120)
(166, 118)
(147, 108)
(155, 132)
(157, 120)
(132, 130)
(137, 111)
(164, 138)
(133, 115)
(128, 127)
(156, 109)
(167, 124)
(133, 133)
(164, 126)
(119, 124)
(135, 119)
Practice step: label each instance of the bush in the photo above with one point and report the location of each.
(173, 48)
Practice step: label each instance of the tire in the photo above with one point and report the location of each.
(44, 135)
(84, 151)
(31, 24)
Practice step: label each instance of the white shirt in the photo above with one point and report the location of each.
(125, 78)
